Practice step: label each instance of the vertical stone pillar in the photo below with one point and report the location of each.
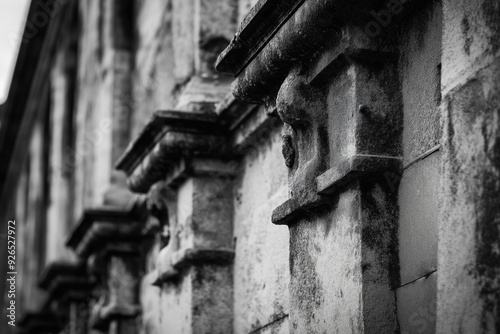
(110, 240)
(197, 261)
(338, 93)
(468, 258)
(183, 161)
(118, 315)
(343, 221)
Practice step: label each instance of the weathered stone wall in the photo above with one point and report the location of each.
(378, 151)
(261, 272)
(468, 260)
(420, 70)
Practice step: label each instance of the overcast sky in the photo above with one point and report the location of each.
(12, 18)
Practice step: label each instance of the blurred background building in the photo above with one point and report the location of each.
(243, 166)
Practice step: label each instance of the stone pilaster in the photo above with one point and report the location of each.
(468, 298)
(183, 161)
(110, 240)
(337, 91)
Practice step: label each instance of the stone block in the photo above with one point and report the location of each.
(418, 218)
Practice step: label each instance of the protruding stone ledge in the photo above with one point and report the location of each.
(113, 311)
(65, 281)
(185, 258)
(291, 34)
(174, 150)
(358, 166)
(169, 140)
(101, 225)
(263, 20)
(161, 123)
(332, 182)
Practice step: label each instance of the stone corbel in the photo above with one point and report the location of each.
(337, 91)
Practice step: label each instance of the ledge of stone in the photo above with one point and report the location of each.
(185, 258)
(65, 280)
(173, 150)
(101, 225)
(260, 24)
(333, 181)
(291, 210)
(358, 166)
(161, 123)
(291, 34)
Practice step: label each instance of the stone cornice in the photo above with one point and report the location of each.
(65, 280)
(173, 143)
(160, 124)
(257, 28)
(334, 180)
(263, 58)
(103, 225)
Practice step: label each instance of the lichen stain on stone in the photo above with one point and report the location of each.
(465, 25)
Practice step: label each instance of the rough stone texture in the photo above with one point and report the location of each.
(420, 71)
(261, 273)
(199, 302)
(356, 109)
(468, 232)
(468, 262)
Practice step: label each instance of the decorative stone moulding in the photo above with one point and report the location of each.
(100, 228)
(63, 280)
(171, 265)
(173, 142)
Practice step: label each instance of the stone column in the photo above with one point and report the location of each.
(183, 161)
(110, 240)
(337, 91)
(468, 258)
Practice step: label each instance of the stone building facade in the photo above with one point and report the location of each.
(242, 166)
